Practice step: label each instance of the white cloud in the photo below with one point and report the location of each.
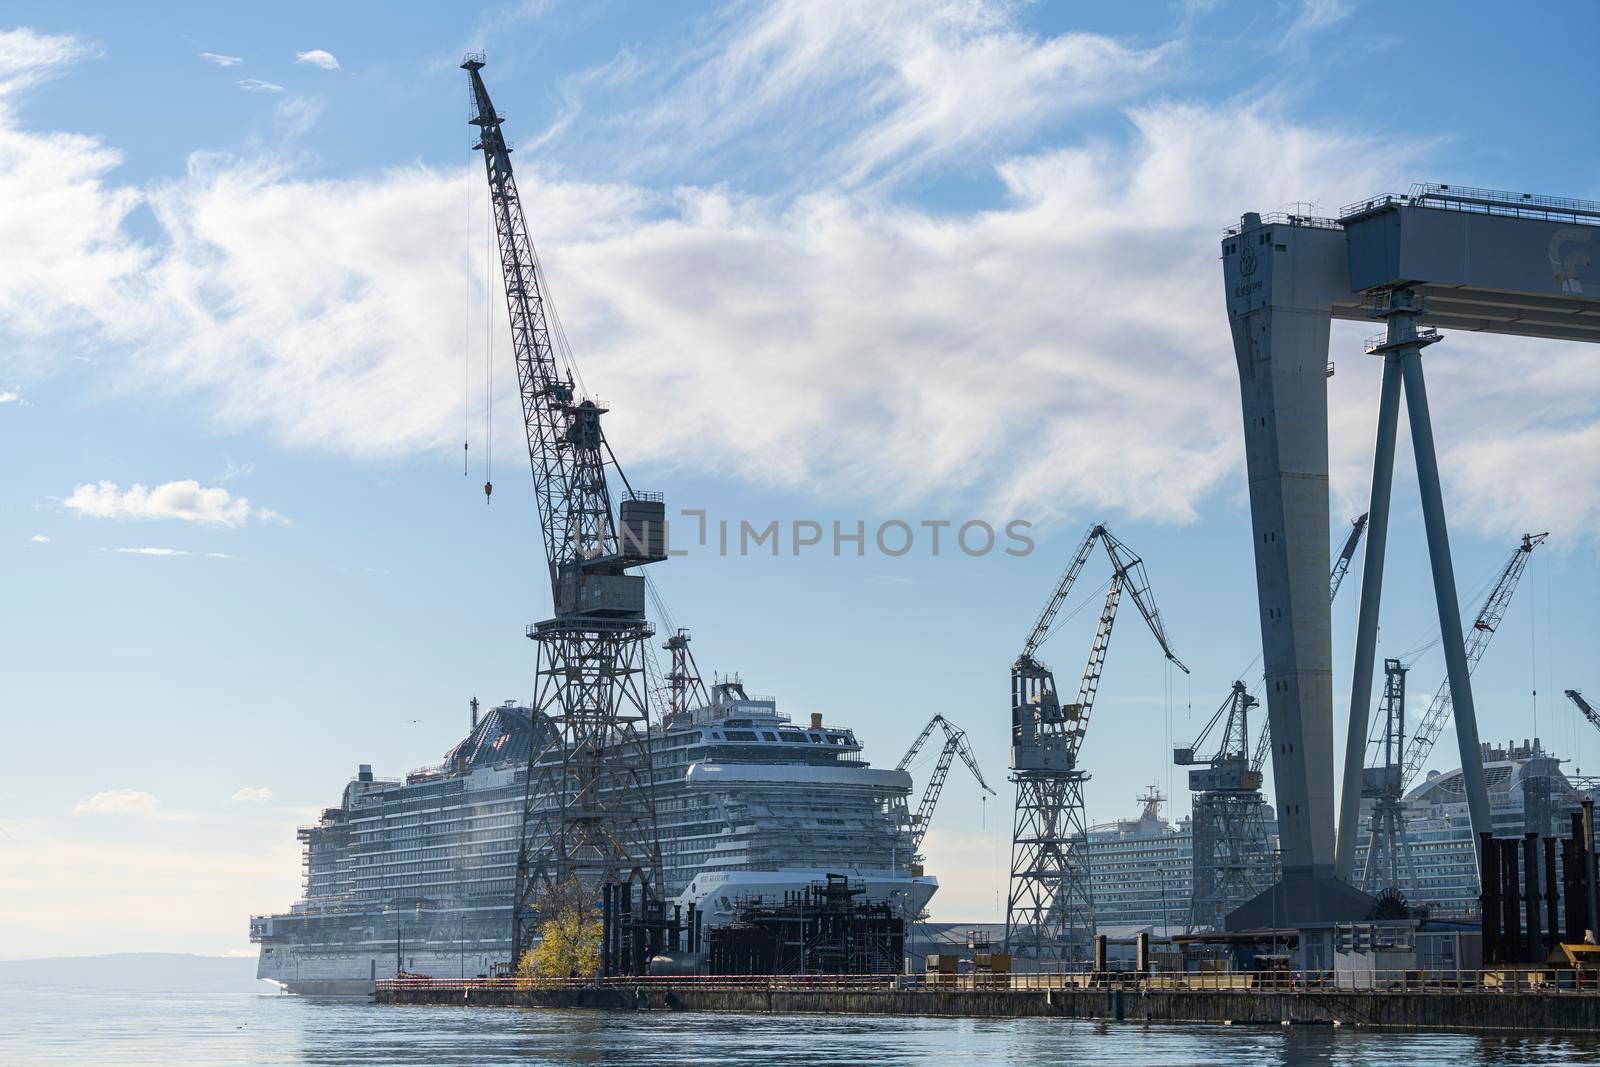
(221, 60)
(317, 57)
(1062, 348)
(252, 795)
(893, 87)
(218, 555)
(135, 802)
(27, 57)
(256, 85)
(9, 397)
(1315, 15)
(186, 500)
(39, 539)
(153, 551)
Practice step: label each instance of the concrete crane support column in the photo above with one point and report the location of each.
(1280, 318)
(1371, 594)
(1444, 594)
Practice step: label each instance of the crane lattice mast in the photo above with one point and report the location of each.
(588, 815)
(1050, 908)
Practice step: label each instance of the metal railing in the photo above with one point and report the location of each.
(1482, 202)
(1473, 982)
(1285, 218)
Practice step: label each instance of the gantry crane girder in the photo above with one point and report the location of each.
(955, 744)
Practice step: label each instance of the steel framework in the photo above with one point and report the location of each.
(1050, 908)
(587, 812)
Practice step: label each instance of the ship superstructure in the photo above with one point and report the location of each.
(417, 874)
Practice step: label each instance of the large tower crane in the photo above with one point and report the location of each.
(1050, 910)
(955, 744)
(588, 814)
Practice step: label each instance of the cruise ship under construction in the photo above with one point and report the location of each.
(417, 875)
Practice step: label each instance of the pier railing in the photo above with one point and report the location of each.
(1478, 982)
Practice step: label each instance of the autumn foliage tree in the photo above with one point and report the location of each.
(569, 937)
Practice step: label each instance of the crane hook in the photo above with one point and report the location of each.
(488, 488)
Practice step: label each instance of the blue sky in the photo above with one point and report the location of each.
(929, 262)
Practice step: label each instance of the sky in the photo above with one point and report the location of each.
(938, 262)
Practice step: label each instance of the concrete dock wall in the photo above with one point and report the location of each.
(1532, 1012)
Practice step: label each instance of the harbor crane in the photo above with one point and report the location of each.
(1396, 763)
(1389, 857)
(955, 744)
(1049, 908)
(587, 812)
(1232, 862)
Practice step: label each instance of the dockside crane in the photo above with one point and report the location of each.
(955, 744)
(1049, 908)
(1396, 762)
(1232, 862)
(588, 815)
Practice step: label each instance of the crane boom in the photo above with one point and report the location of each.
(955, 744)
(1341, 566)
(565, 443)
(1585, 707)
(1125, 565)
(1477, 641)
(1052, 607)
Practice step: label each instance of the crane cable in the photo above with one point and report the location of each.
(488, 346)
(466, 347)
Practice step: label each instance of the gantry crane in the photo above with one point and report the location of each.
(1232, 860)
(1049, 909)
(588, 813)
(1232, 857)
(955, 744)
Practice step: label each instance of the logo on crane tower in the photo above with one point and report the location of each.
(1247, 260)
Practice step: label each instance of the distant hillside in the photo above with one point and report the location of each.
(151, 971)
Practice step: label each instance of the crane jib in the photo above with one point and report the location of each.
(567, 449)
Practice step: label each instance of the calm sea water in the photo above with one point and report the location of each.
(78, 1026)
